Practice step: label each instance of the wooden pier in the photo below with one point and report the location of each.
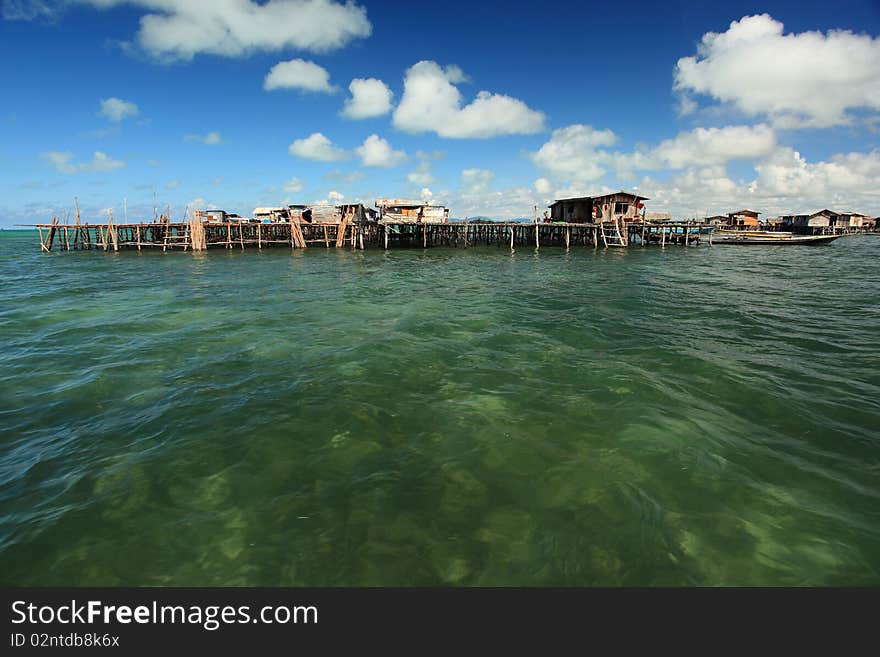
(198, 235)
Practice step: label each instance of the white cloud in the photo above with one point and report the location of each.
(432, 103)
(298, 74)
(377, 152)
(788, 174)
(62, 161)
(369, 97)
(333, 195)
(784, 183)
(706, 146)
(116, 109)
(571, 154)
(809, 79)
(341, 176)
(28, 10)
(476, 181)
(422, 174)
(181, 29)
(317, 147)
(543, 186)
(293, 186)
(210, 139)
(172, 184)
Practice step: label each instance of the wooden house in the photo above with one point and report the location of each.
(589, 209)
(854, 221)
(818, 222)
(271, 215)
(394, 210)
(743, 219)
(214, 216)
(618, 206)
(572, 210)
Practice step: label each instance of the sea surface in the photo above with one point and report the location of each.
(687, 416)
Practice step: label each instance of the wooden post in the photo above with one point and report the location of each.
(229, 235)
(663, 236)
(424, 235)
(567, 237)
(138, 233)
(512, 229)
(260, 235)
(643, 231)
(385, 231)
(50, 237)
(42, 243)
(241, 235)
(291, 232)
(537, 239)
(687, 232)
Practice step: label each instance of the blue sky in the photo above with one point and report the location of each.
(704, 107)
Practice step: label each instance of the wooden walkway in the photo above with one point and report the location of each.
(198, 235)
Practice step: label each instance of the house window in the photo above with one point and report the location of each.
(621, 208)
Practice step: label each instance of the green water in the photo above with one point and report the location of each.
(443, 417)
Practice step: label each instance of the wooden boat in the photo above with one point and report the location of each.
(768, 237)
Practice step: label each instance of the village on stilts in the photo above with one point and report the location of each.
(605, 221)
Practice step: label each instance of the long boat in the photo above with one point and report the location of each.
(768, 237)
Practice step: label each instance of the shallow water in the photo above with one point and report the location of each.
(467, 417)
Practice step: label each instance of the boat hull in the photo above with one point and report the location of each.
(795, 239)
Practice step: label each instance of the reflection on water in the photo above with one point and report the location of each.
(691, 416)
